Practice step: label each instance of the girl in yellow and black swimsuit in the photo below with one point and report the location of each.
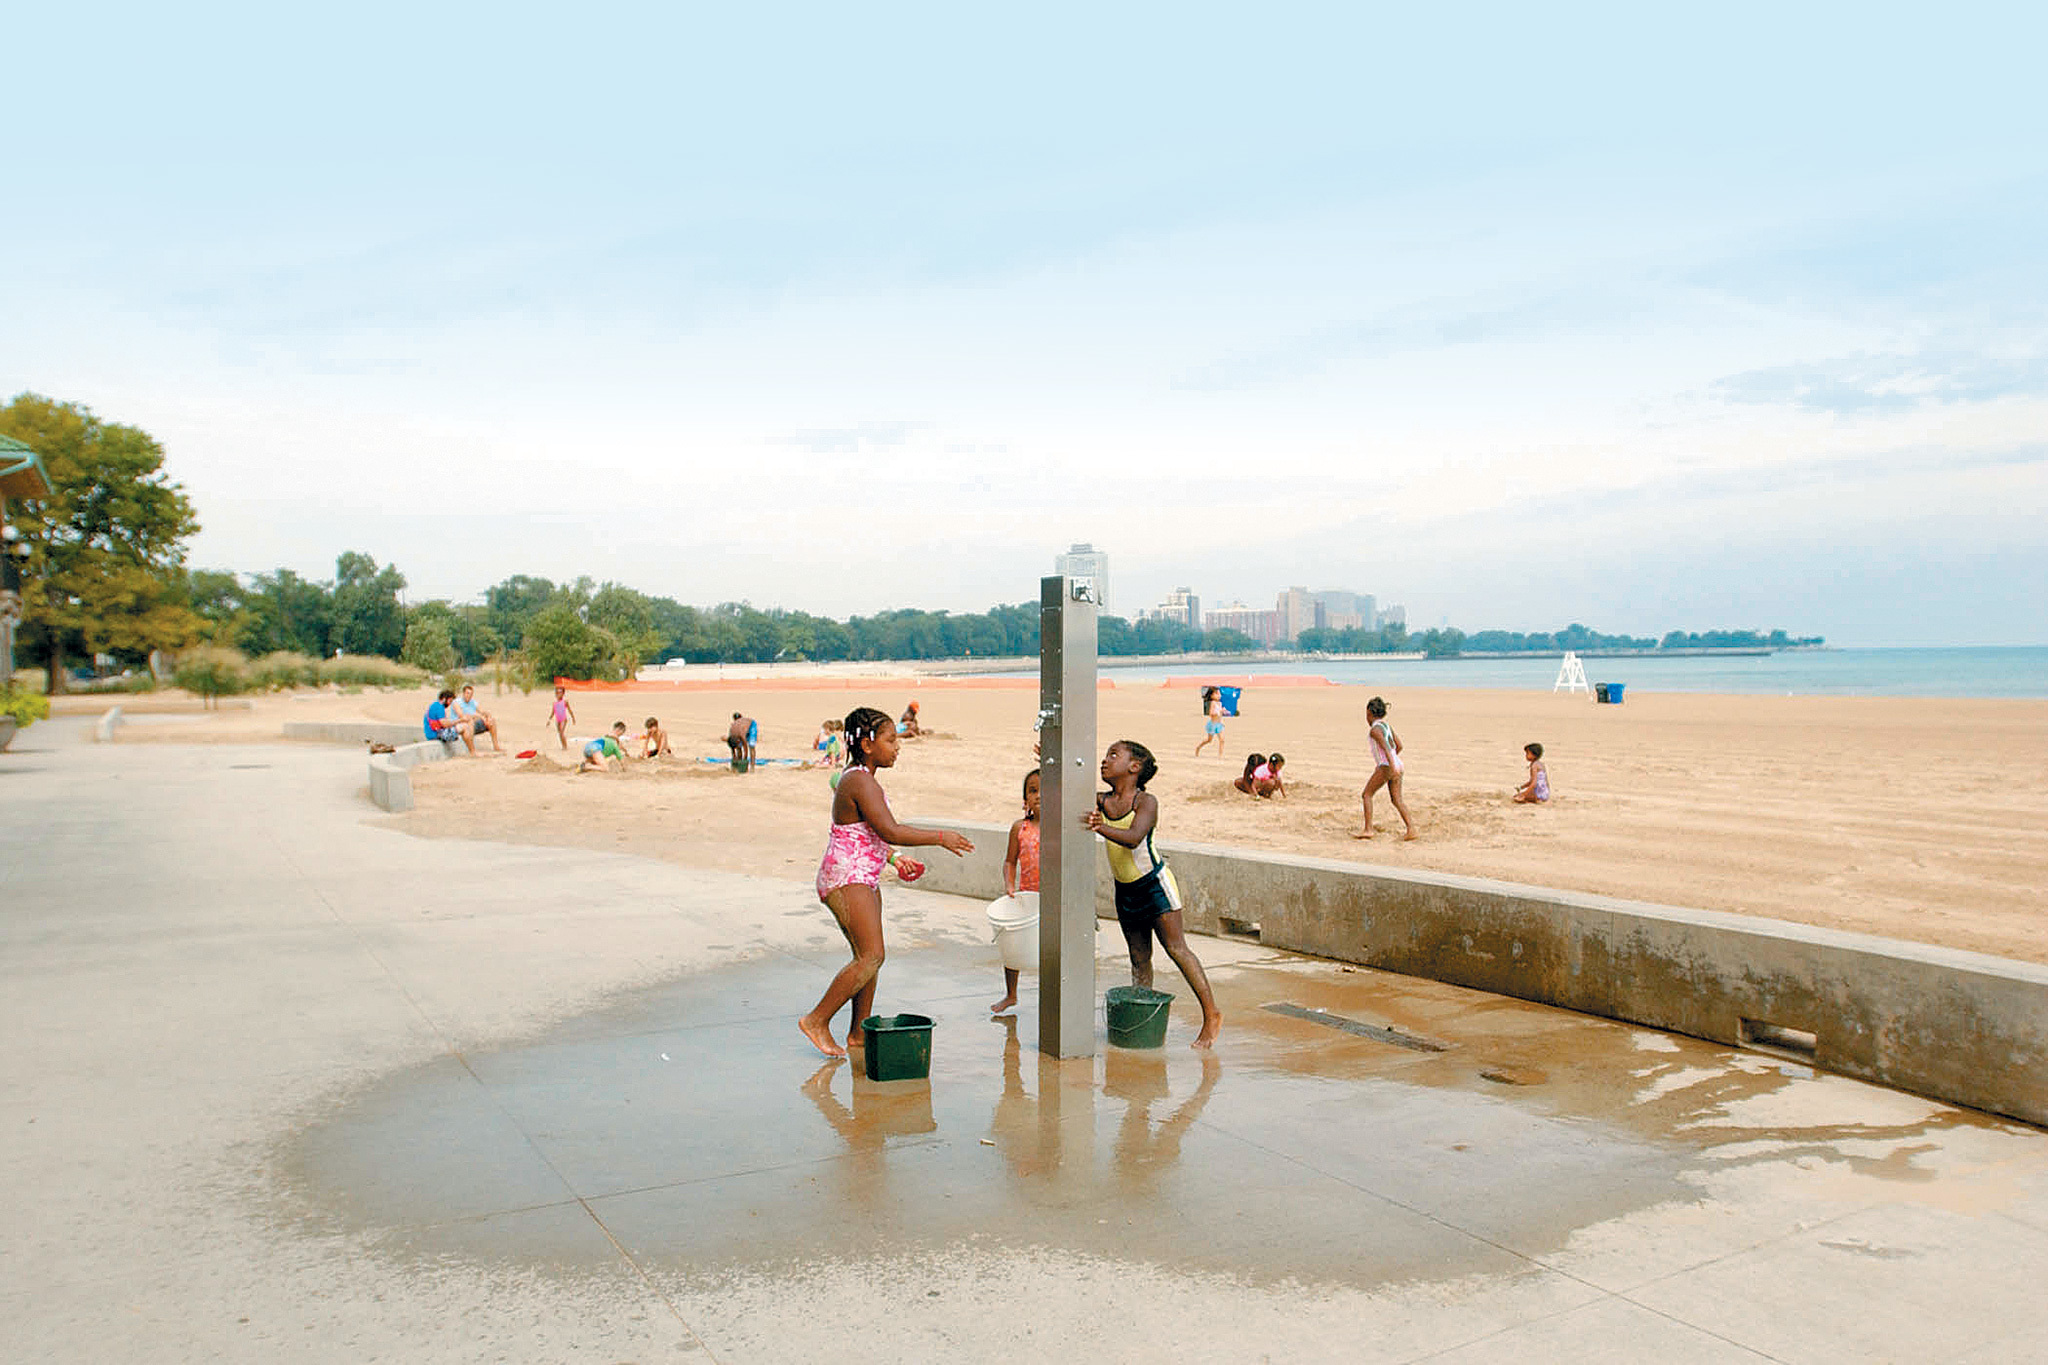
(1147, 900)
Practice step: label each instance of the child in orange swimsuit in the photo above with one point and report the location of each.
(1020, 873)
(850, 876)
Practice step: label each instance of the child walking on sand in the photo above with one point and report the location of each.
(1386, 768)
(849, 878)
(1020, 873)
(562, 714)
(1147, 899)
(1537, 789)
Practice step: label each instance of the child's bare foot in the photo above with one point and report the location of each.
(1409, 835)
(1211, 1026)
(1008, 1002)
(1365, 833)
(855, 1038)
(820, 1036)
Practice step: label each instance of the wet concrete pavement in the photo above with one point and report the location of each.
(280, 1077)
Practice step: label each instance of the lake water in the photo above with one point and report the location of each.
(1976, 671)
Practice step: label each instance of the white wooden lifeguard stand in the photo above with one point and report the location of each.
(1571, 675)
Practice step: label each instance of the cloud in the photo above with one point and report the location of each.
(855, 439)
(1862, 384)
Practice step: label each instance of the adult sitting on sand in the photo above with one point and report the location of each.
(481, 722)
(445, 723)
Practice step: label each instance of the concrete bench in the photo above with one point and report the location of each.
(390, 778)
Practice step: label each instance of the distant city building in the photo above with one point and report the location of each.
(1297, 611)
(1262, 626)
(1180, 606)
(1085, 561)
(1393, 616)
(1345, 611)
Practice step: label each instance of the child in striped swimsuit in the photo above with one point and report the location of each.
(850, 876)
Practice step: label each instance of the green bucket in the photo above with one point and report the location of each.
(899, 1047)
(1137, 1016)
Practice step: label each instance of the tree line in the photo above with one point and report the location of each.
(107, 577)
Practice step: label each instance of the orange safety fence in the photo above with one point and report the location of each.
(1021, 680)
(1247, 681)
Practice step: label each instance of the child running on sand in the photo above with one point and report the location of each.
(1020, 873)
(849, 878)
(561, 715)
(1386, 770)
(1537, 788)
(1212, 725)
(1147, 899)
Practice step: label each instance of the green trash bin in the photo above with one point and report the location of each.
(1137, 1016)
(899, 1046)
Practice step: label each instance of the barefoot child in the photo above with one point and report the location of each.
(849, 878)
(1020, 873)
(657, 740)
(604, 750)
(561, 714)
(1537, 788)
(1147, 900)
(1212, 725)
(1386, 771)
(1252, 763)
(1266, 779)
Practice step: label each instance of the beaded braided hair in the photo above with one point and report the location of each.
(1148, 766)
(862, 724)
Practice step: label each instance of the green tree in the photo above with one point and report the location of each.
(428, 646)
(106, 568)
(561, 644)
(287, 612)
(629, 616)
(219, 600)
(368, 618)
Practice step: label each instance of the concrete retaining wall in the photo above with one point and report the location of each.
(391, 783)
(1957, 1026)
(352, 731)
(103, 731)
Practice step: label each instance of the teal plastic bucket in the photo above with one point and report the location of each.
(899, 1047)
(1137, 1016)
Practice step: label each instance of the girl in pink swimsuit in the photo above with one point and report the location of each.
(850, 876)
(1386, 768)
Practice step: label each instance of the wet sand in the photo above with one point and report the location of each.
(1922, 820)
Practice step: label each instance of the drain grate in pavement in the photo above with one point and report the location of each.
(1373, 1031)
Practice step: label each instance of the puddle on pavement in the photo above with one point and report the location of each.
(692, 1122)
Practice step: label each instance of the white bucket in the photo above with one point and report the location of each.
(1014, 921)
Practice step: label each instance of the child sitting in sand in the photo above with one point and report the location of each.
(604, 750)
(1537, 788)
(1252, 763)
(1020, 873)
(849, 878)
(1147, 898)
(657, 740)
(908, 726)
(825, 748)
(1266, 780)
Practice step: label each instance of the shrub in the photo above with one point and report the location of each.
(212, 672)
(283, 669)
(138, 682)
(369, 670)
(35, 680)
(25, 706)
(428, 645)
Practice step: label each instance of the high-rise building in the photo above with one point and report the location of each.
(1345, 610)
(1262, 626)
(1180, 606)
(1085, 561)
(1297, 611)
(1392, 616)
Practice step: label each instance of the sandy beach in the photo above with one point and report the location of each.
(1923, 820)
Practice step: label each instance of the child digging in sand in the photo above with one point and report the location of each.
(1020, 873)
(1262, 776)
(1147, 899)
(1386, 769)
(849, 878)
(604, 750)
(1537, 789)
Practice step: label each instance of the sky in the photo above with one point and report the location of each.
(1514, 316)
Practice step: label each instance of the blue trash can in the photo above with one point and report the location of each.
(1229, 696)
